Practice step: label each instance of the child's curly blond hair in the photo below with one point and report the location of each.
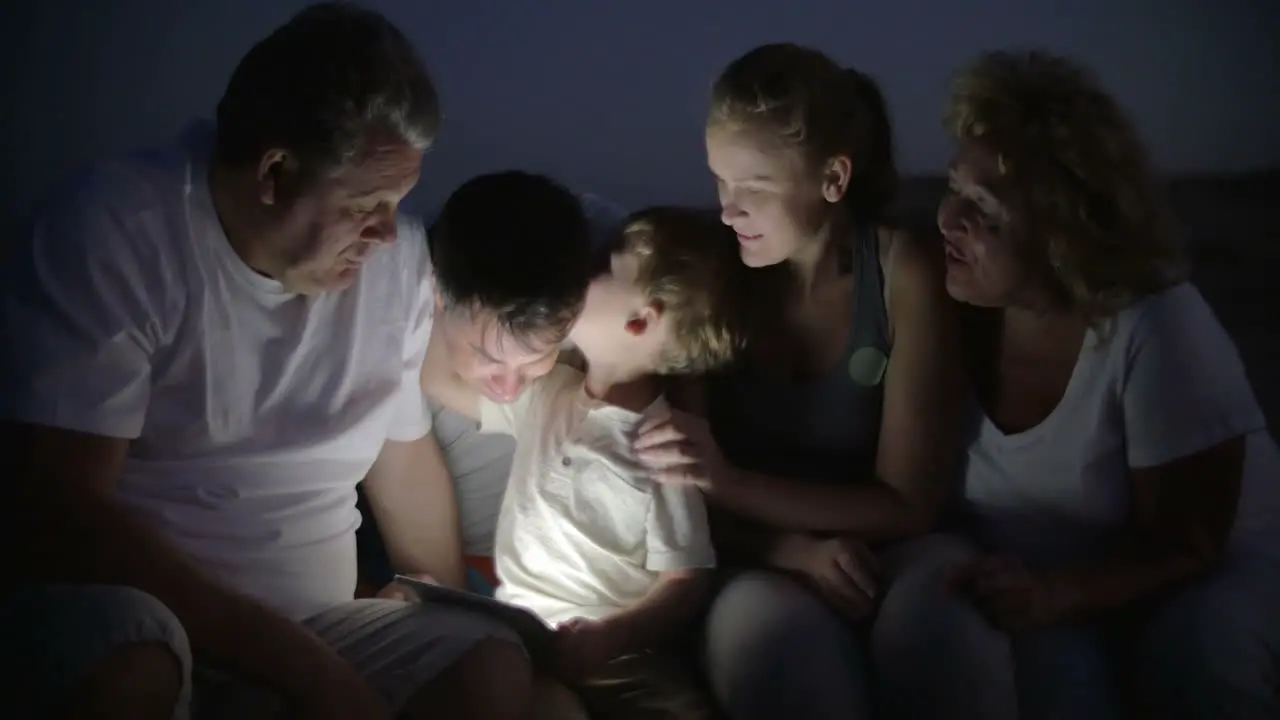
(689, 265)
(1087, 207)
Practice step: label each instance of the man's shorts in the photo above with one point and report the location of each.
(52, 635)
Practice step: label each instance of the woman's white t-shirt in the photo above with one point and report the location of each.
(1167, 383)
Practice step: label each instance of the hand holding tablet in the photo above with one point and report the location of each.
(536, 634)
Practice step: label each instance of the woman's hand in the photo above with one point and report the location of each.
(1010, 596)
(680, 450)
(841, 569)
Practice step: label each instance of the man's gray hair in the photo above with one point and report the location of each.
(320, 84)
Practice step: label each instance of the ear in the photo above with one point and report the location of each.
(835, 178)
(438, 297)
(645, 318)
(275, 170)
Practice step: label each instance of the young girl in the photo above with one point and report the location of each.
(586, 539)
(838, 427)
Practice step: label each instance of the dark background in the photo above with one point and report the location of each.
(610, 95)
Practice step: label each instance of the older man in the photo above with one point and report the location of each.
(205, 348)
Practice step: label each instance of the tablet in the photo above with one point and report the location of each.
(536, 634)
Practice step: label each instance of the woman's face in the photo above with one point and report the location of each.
(982, 267)
(768, 195)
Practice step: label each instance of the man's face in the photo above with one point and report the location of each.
(492, 359)
(326, 232)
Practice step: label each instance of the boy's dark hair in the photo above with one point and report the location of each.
(516, 245)
(320, 84)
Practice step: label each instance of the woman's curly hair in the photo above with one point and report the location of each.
(1087, 207)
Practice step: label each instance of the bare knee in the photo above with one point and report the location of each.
(141, 681)
(492, 680)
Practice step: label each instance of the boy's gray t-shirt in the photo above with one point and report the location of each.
(480, 464)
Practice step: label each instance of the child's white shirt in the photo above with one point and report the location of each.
(584, 530)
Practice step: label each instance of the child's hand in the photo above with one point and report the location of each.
(583, 647)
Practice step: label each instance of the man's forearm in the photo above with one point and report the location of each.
(93, 540)
(429, 545)
(419, 551)
(411, 493)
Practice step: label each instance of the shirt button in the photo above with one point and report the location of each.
(566, 462)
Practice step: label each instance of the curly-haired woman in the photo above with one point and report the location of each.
(1121, 473)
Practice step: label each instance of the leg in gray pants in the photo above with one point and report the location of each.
(1213, 649)
(1210, 651)
(774, 649)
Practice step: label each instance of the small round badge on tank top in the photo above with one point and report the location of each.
(867, 366)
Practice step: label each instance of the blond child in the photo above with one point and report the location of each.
(586, 539)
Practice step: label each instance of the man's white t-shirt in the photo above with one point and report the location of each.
(253, 412)
(584, 530)
(1166, 384)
